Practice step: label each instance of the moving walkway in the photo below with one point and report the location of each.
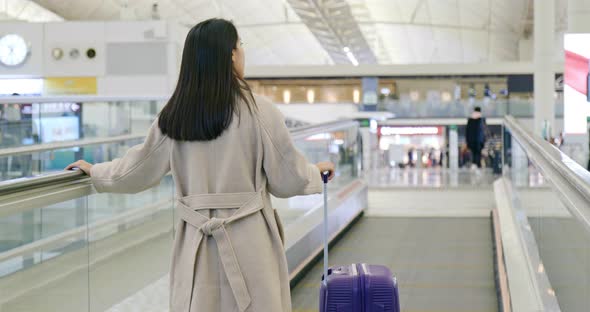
(63, 247)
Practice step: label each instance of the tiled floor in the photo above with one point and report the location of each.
(445, 178)
(442, 264)
(430, 202)
(429, 177)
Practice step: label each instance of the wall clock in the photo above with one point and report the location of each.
(13, 50)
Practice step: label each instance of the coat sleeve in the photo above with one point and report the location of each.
(288, 172)
(141, 168)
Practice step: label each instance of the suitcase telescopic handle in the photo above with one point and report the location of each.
(325, 176)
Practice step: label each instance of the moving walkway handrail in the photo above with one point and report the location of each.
(302, 132)
(27, 183)
(571, 181)
(77, 99)
(37, 148)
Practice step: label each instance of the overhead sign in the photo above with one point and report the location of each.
(70, 86)
(55, 108)
(410, 130)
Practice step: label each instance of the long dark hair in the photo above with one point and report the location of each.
(208, 90)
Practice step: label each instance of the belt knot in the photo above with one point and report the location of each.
(211, 225)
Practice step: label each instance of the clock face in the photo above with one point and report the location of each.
(13, 50)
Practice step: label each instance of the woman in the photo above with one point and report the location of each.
(227, 150)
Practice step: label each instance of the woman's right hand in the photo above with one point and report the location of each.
(82, 165)
(326, 166)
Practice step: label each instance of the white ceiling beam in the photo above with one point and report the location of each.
(496, 68)
(408, 37)
(416, 9)
(267, 24)
(432, 34)
(381, 22)
(27, 10)
(338, 25)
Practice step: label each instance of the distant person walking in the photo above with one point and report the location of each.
(475, 135)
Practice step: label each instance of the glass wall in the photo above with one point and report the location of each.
(25, 124)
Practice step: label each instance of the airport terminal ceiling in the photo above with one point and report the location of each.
(319, 32)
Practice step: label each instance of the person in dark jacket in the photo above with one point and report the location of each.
(475, 135)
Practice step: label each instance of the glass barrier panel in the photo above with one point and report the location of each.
(563, 242)
(342, 147)
(130, 247)
(86, 254)
(44, 258)
(405, 108)
(26, 165)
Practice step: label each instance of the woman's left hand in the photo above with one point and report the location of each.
(83, 165)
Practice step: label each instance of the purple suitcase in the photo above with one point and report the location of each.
(355, 287)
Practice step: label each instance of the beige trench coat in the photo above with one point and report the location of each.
(228, 249)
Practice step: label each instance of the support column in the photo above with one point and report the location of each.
(544, 74)
(453, 148)
(370, 93)
(453, 158)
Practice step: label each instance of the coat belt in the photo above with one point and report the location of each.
(247, 204)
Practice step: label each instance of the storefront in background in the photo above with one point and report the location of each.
(412, 146)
